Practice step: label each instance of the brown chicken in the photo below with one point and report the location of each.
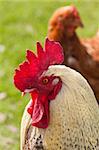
(81, 55)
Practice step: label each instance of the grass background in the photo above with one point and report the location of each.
(21, 25)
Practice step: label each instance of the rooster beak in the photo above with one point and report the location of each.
(23, 93)
(27, 91)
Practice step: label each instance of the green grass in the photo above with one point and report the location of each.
(21, 25)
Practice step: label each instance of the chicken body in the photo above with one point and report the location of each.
(92, 45)
(74, 117)
(81, 55)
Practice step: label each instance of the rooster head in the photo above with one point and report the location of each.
(30, 78)
(64, 22)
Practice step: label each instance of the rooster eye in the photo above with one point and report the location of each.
(45, 80)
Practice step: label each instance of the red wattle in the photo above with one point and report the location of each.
(39, 107)
(30, 110)
(43, 123)
(39, 110)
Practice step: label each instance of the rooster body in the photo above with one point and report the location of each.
(81, 55)
(63, 112)
(74, 121)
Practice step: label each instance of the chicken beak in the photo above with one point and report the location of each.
(81, 24)
(78, 22)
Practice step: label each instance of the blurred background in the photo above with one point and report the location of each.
(21, 25)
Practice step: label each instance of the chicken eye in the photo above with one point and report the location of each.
(51, 29)
(45, 80)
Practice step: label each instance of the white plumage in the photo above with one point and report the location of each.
(74, 116)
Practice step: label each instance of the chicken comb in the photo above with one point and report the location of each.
(30, 70)
(74, 11)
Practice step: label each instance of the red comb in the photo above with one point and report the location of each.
(26, 76)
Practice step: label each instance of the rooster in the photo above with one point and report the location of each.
(81, 55)
(63, 112)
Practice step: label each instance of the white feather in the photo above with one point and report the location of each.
(25, 123)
